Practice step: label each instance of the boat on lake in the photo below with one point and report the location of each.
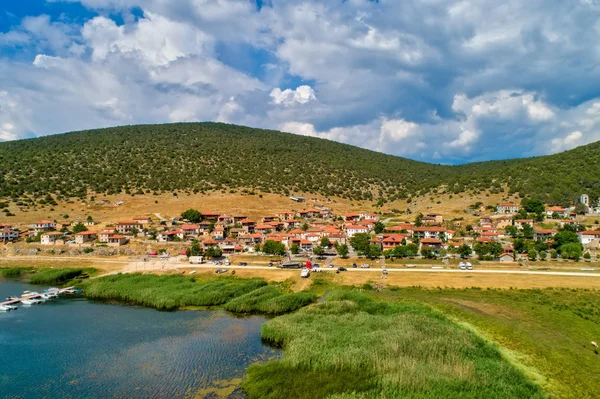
(7, 308)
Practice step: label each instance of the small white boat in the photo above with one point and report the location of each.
(29, 294)
(29, 302)
(47, 296)
(4, 308)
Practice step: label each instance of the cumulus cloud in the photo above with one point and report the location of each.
(451, 81)
(288, 97)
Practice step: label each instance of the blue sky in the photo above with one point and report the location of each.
(438, 81)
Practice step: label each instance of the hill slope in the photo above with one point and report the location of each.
(202, 157)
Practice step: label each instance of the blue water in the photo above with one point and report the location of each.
(74, 348)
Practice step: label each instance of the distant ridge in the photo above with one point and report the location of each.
(204, 157)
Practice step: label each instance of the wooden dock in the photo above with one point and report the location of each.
(39, 295)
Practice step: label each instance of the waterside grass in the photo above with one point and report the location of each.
(353, 346)
(56, 276)
(270, 300)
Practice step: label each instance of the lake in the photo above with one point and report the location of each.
(75, 348)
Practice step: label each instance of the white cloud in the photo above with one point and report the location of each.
(288, 97)
(569, 141)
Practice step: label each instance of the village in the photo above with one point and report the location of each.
(504, 232)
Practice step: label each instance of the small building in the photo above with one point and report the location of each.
(219, 233)
(507, 208)
(105, 235)
(50, 238)
(506, 257)
(562, 212)
(519, 223)
(285, 215)
(589, 237)
(212, 216)
(143, 220)
(128, 226)
(85, 236)
(352, 230)
(434, 243)
(117, 240)
(43, 225)
(8, 234)
(166, 236)
(543, 234)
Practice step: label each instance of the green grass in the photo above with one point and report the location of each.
(270, 300)
(12, 272)
(169, 292)
(549, 331)
(353, 346)
(56, 276)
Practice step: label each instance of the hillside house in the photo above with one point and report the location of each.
(306, 245)
(263, 228)
(562, 212)
(391, 241)
(128, 226)
(351, 217)
(589, 238)
(267, 219)
(209, 242)
(43, 225)
(433, 243)
(308, 213)
(291, 223)
(211, 216)
(503, 222)
(143, 220)
(485, 219)
(429, 232)
(238, 218)
(248, 225)
(51, 238)
(352, 230)
(8, 234)
(190, 229)
(166, 236)
(507, 208)
(519, 223)
(235, 232)
(506, 257)
(285, 215)
(117, 240)
(543, 234)
(85, 236)
(338, 237)
(219, 233)
(432, 219)
(225, 219)
(105, 235)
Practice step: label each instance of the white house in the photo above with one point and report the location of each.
(43, 225)
(587, 237)
(8, 234)
(85, 236)
(507, 208)
(351, 230)
(50, 238)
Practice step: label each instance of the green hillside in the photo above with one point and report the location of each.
(203, 157)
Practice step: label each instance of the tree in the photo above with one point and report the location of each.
(571, 251)
(465, 251)
(79, 228)
(554, 254)
(580, 209)
(512, 231)
(533, 205)
(427, 252)
(273, 247)
(325, 243)
(360, 242)
(305, 226)
(90, 219)
(527, 231)
(496, 249)
(318, 250)
(192, 215)
(519, 245)
(374, 251)
(543, 255)
(214, 252)
(379, 227)
(555, 215)
(587, 255)
(564, 237)
(295, 249)
(418, 219)
(532, 253)
(342, 250)
(134, 231)
(194, 250)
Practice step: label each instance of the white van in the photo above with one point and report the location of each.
(196, 260)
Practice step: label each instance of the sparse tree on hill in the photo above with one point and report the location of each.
(192, 215)
(325, 243)
(79, 228)
(379, 227)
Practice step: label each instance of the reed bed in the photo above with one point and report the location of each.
(169, 292)
(55, 276)
(353, 346)
(12, 272)
(270, 300)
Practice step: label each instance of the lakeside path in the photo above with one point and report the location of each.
(424, 275)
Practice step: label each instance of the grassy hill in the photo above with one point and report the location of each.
(205, 157)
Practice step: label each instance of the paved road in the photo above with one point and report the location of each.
(359, 270)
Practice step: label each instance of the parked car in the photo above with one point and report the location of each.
(365, 266)
(354, 265)
(342, 269)
(305, 273)
(220, 271)
(243, 263)
(315, 265)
